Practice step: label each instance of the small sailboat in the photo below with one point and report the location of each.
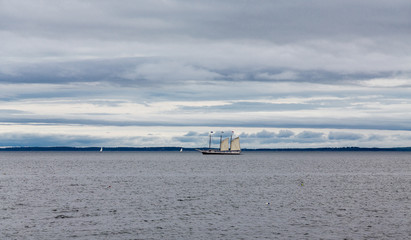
(181, 149)
(101, 149)
(227, 147)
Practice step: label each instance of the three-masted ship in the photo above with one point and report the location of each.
(227, 147)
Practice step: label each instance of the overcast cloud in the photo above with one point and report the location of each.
(153, 73)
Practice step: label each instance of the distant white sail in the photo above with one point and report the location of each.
(235, 144)
(224, 145)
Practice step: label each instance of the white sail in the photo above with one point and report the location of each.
(235, 144)
(224, 145)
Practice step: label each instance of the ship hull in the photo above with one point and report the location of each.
(217, 152)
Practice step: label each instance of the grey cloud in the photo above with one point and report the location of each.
(151, 72)
(29, 120)
(376, 137)
(280, 21)
(344, 136)
(286, 75)
(285, 134)
(316, 76)
(203, 134)
(48, 140)
(191, 133)
(4, 112)
(208, 36)
(265, 134)
(72, 71)
(98, 120)
(117, 71)
(192, 137)
(72, 140)
(198, 139)
(309, 135)
(262, 134)
(185, 139)
(249, 106)
(170, 72)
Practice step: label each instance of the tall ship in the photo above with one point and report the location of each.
(228, 146)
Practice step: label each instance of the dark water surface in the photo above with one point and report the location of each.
(171, 195)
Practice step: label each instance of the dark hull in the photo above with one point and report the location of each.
(216, 152)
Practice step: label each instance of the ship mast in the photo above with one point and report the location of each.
(209, 141)
(231, 139)
(221, 138)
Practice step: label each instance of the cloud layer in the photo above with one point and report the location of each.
(287, 72)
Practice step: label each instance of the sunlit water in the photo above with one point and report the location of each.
(172, 195)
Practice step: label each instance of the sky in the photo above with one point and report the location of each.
(142, 73)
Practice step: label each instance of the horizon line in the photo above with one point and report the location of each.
(165, 148)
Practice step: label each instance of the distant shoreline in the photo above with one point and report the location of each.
(175, 149)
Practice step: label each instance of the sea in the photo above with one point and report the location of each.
(173, 195)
